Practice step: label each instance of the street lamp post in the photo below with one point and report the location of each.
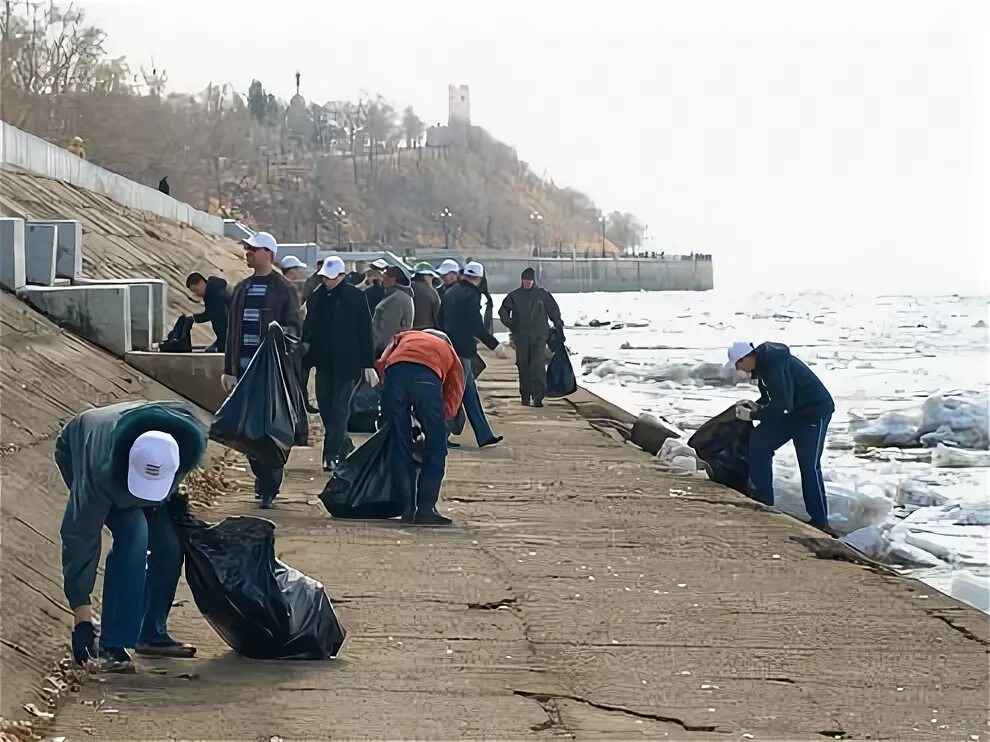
(602, 220)
(444, 219)
(339, 215)
(537, 219)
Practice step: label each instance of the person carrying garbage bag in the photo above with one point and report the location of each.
(257, 301)
(120, 464)
(795, 406)
(528, 312)
(423, 376)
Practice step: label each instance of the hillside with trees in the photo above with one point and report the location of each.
(360, 172)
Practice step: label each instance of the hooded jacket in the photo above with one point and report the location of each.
(787, 386)
(460, 318)
(91, 453)
(393, 314)
(216, 307)
(426, 301)
(528, 313)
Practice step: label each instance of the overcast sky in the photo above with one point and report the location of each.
(830, 144)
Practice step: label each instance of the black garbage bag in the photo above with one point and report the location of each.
(478, 365)
(560, 372)
(723, 444)
(363, 409)
(179, 338)
(264, 416)
(296, 350)
(362, 485)
(261, 607)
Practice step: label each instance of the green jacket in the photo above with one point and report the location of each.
(91, 454)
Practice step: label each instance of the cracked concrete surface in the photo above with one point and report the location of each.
(573, 598)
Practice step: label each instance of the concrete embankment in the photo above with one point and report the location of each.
(582, 593)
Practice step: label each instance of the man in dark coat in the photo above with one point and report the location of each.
(528, 312)
(795, 406)
(341, 349)
(121, 463)
(461, 320)
(216, 306)
(257, 301)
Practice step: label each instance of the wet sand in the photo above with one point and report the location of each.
(580, 593)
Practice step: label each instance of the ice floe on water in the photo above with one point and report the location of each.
(907, 465)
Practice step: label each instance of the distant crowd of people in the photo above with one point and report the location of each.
(369, 326)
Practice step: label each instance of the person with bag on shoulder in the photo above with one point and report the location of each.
(528, 312)
(338, 332)
(461, 321)
(794, 405)
(120, 464)
(264, 297)
(423, 377)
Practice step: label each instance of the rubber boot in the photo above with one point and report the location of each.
(426, 505)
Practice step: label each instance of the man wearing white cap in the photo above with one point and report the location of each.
(460, 318)
(373, 284)
(338, 331)
(794, 406)
(449, 272)
(257, 301)
(120, 464)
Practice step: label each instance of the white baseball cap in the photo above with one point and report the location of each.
(379, 264)
(737, 351)
(152, 465)
(264, 241)
(474, 269)
(332, 267)
(448, 266)
(291, 261)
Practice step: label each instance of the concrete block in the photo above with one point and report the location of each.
(100, 314)
(12, 269)
(69, 246)
(159, 298)
(39, 253)
(142, 327)
(195, 376)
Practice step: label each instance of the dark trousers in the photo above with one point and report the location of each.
(412, 388)
(333, 397)
(472, 405)
(531, 360)
(808, 436)
(138, 589)
(267, 479)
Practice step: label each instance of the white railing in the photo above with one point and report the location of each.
(26, 151)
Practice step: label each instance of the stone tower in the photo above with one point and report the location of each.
(458, 104)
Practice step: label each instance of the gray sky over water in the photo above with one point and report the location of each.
(829, 144)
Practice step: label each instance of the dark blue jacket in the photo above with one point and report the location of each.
(787, 386)
(216, 305)
(460, 318)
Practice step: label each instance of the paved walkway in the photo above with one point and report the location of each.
(581, 593)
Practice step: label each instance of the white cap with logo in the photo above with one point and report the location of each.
(448, 266)
(332, 267)
(738, 351)
(152, 465)
(263, 241)
(474, 269)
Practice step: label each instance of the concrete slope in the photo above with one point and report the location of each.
(580, 594)
(46, 376)
(125, 243)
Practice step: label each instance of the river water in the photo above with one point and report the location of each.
(921, 360)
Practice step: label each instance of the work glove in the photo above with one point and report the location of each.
(371, 377)
(745, 410)
(504, 351)
(84, 643)
(228, 382)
